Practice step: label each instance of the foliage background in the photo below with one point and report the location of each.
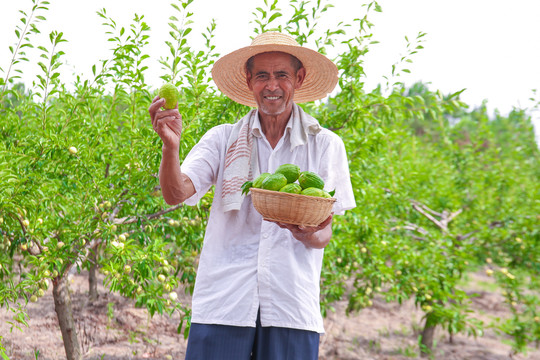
(441, 189)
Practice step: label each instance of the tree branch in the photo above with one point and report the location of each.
(421, 210)
(133, 219)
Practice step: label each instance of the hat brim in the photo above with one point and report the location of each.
(229, 73)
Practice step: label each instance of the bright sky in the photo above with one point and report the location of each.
(489, 47)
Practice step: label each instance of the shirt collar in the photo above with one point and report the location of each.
(256, 129)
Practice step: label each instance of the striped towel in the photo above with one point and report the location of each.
(241, 162)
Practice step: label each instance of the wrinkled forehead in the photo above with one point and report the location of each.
(295, 62)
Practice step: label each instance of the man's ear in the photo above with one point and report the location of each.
(300, 77)
(248, 80)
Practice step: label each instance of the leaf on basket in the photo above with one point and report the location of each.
(332, 192)
(246, 186)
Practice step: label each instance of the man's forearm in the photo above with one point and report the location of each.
(176, 187)
(319, 239)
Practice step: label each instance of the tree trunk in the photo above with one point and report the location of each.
(64, 312)
(92, 279)
(426, 343)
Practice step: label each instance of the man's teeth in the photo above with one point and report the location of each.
(272, 97)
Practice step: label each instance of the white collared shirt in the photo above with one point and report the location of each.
(247, 263)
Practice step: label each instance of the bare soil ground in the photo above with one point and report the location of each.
(113, 329)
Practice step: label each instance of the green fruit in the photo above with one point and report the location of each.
(312, 191)
(257, 183)
(44, 284)
(170, 93)
(326, 195)
(274, 182)
(293, 188)
(291, 172)
(309, 179)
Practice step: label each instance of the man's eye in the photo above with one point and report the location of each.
(262, 77)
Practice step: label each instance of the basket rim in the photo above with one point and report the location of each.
(298, 196)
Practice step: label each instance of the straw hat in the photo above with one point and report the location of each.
(229, 72)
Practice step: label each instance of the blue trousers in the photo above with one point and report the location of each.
(222, 342)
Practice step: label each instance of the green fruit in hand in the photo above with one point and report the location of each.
(274, 182)
(170, 93)
(291, 172)
(257, 183)
(293, 188)
(309, 179)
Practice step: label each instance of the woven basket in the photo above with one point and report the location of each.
(291, 208)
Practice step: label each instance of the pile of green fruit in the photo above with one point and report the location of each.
(289, 179)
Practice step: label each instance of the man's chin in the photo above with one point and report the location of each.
(272, 110)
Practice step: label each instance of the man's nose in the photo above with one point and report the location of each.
(272, 83)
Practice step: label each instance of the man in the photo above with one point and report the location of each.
(257, 289)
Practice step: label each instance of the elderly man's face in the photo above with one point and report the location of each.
(273, 80)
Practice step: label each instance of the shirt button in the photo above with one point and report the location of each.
(265, 236)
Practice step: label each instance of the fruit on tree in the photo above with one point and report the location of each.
(73, 150)
(44, 284)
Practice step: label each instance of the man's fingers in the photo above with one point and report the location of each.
(157, 103)
(327, 221)
(165, 121)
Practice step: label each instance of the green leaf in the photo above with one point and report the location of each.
(274, 16)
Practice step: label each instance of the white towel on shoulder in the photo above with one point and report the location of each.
(241, 162)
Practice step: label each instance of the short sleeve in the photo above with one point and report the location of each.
(334, 169)
(202, 163)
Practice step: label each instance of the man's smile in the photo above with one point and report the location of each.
(272, 97)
